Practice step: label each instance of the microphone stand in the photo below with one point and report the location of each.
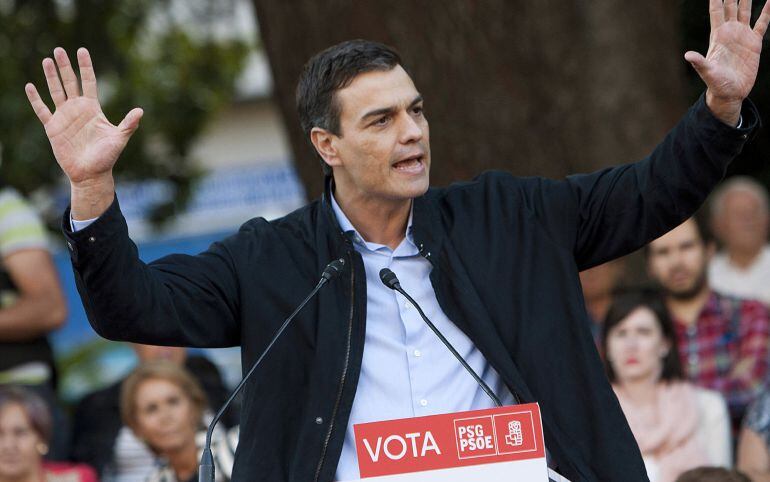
(390, 280)
(206, 469)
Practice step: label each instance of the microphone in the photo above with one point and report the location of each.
(390, 280)
(206, 467)
(332, 270)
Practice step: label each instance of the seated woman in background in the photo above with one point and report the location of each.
(25, 431)
(677, 425)
(754, 441)
(164, 405)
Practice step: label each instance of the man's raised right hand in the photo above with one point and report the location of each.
(85, 143)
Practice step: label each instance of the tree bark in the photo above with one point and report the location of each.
(547, 88)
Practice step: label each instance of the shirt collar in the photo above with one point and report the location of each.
(358, 240)
(712, 306)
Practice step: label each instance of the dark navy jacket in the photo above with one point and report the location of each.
(506, 253)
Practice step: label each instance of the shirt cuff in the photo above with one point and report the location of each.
(76, 225)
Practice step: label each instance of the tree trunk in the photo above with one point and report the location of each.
(545, 88)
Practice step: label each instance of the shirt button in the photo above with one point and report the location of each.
(407, 305)
(91, 239)
(424, 402)
(319, 420)
(417, 353)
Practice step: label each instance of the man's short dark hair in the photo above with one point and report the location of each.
(331, 70)
(704, 233)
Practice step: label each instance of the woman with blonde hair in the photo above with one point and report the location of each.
(165, 406)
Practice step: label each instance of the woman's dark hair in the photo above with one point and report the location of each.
(623, 305)
(331, 70)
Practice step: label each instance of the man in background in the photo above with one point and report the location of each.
(723, 340)
(740, 216)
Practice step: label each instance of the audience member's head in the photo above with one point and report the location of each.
(25, 429)
(712, 474)
(678, 260)
(163, 404)
(638, 339)
(598, 284)
(740, 215)
(151, 353)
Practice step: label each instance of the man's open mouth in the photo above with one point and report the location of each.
(411, 163)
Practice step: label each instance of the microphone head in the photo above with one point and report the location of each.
(389, 278)
(333, 269)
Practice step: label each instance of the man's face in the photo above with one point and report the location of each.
(677, 261)
(743, 223)
(383, 152)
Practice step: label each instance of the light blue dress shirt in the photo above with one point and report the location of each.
(406, 370)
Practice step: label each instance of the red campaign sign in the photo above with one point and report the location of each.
(450, 440)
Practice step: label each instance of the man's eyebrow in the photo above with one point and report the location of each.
(389, 110)
(378, 112)
(416, 101)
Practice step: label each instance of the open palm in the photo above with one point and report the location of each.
(85, 143)
(730, 66)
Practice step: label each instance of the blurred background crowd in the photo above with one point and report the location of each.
(682, 327)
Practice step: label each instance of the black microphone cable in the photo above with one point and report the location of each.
(206, 468)
(390, 280)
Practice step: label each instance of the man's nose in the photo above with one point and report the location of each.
(411, 131)
(675, 258)
(677, 262)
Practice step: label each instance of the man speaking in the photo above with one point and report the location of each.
(494, 262)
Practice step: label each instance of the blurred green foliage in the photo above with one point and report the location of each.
(180, 72)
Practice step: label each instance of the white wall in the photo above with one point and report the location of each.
(246, 133)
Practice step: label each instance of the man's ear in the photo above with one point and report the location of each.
(324, 144)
